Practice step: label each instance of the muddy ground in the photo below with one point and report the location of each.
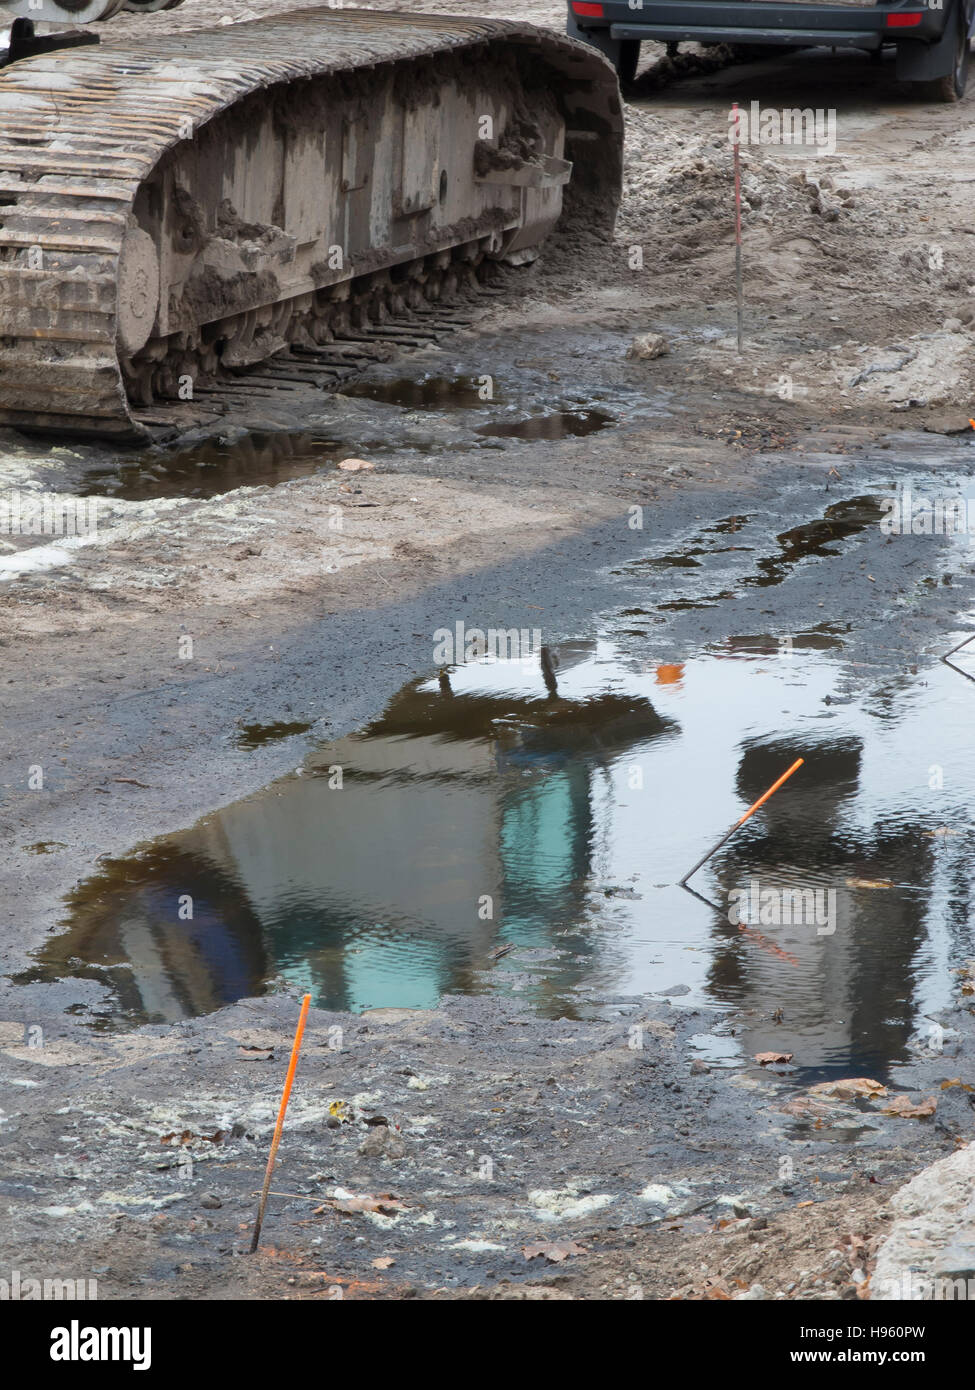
(468, 1151)
(505, 1131)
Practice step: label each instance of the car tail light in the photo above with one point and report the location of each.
(903, 21)
(584, 7)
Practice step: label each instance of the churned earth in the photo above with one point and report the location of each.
(309, 594)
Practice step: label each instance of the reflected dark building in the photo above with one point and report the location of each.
(846, 993)
(130, 927)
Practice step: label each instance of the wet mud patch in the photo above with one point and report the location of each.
(426, 392)
(259, 735)
(216, 466)
(840, 521)
(496, 386)
(563, 425)
(738, 553)
(823, 637)
(426, 414)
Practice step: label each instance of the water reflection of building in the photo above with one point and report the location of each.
(514, 783)
(846, 994)
(371, 893)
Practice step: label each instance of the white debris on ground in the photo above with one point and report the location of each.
(933, 1235)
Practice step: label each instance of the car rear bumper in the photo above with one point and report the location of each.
(750, 21)
(683, 33)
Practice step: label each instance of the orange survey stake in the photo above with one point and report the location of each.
(771, 791)
(741, 820)
(279, 1126)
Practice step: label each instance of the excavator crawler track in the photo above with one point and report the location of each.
(176, 212)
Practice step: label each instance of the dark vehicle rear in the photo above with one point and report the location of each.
(931, 40)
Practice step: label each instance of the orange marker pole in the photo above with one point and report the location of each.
(285, 1096)
(741, 821)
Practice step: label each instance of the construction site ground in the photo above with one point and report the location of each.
(134, 1155)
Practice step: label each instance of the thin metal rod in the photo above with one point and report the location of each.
(738, 282)
(741, 821)
(969, 638)
(949, 663)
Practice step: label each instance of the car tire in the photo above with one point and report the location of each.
(951, 87)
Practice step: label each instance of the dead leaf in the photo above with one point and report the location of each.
(383, 1262)
(805, 1204)
(956, 1081)
(765, 1058)
(905, 1107)
(805, 1107)
(942, 830)
(554, 1251)
(386, 1204)
(869, 883)
(186, 1136)
(850, 1086)
(356, 465)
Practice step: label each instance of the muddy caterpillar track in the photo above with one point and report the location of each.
(174, 213)
(376, 321)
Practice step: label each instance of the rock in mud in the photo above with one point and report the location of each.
(383, 1142)
(647, 346)
(934, 1220)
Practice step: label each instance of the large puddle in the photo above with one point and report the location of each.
(477, 395)
(520, 829)
(217, 466)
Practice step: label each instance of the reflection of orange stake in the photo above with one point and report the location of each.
(739, 823)
(967, 674)
(767, 945)
(285, 1095)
